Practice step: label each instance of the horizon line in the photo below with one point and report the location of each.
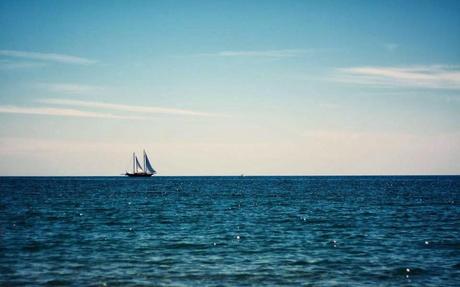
(249, 175)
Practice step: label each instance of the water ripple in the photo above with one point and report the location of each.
(221, 231)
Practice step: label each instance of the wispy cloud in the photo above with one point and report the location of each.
(47, 111)
(141, 111)
(284, 53)
(70, 88)
(47, 57)
(9, 65)
(122, 107)
(267, 53)
(433, 76)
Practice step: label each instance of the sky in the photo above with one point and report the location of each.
(230, 87)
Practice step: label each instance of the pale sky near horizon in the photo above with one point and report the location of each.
(230, 87)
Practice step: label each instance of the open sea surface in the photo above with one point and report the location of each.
(230, 231)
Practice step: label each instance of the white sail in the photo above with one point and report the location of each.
(138, 166)
(148, 166)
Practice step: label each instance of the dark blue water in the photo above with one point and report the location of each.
(230, 231)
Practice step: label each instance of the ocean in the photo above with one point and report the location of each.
(230, 231)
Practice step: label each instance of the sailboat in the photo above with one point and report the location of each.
(139, 170)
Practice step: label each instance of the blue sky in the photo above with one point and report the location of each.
(230, 87)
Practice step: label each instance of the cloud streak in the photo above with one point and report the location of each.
(69, 88)
(284, 53)
(122, 107)
(432, 77)
(11, 65)
(47, 111)
(74, 111)
(268, 53)
(47, 57)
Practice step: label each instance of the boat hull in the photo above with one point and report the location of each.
(138, 174)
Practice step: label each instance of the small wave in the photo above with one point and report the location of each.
(409, 271)
(34, 246)
(57, 282)
(186, 246)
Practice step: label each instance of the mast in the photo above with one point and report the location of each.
(145, 170)
(134, 162)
